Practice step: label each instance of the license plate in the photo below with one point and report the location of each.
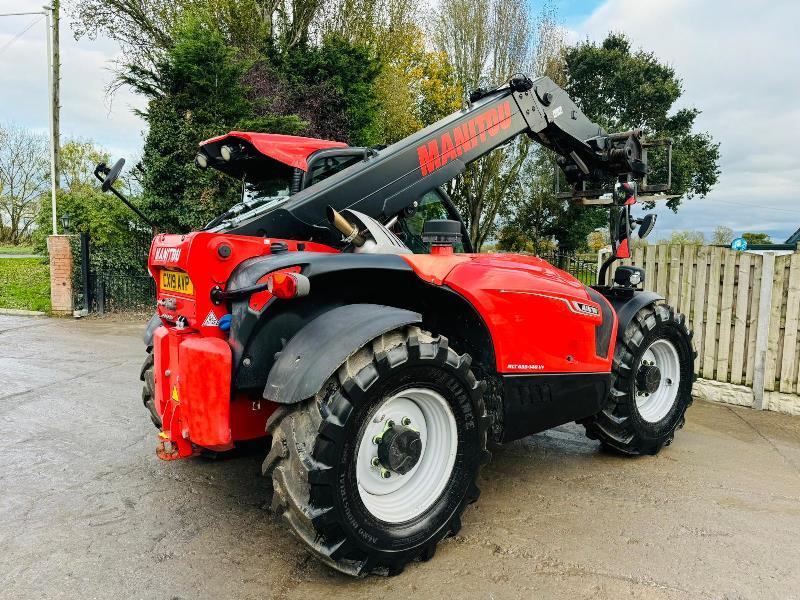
(176, 281)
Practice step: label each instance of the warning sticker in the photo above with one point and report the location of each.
(211, 320)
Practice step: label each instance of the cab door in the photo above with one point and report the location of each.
(436, 204)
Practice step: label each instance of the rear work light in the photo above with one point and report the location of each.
(289, 285)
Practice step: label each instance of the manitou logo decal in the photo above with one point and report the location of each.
(168, 254)
(437, 152)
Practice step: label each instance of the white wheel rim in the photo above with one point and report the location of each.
(400, 498)
(656, 406)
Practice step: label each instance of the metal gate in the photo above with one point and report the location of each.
(104, 283)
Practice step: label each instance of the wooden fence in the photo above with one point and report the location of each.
(744, 310)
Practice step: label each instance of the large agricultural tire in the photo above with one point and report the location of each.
(653, 371)
(337, 499)
(148, 388)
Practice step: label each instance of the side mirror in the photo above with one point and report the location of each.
(646, 225)
(111, 175)
(107, 177)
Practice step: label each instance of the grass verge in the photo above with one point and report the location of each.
(16, 250)
(25, 284)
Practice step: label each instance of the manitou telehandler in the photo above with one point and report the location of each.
(338, 310)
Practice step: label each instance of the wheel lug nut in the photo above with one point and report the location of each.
(385, 473)
(389, 424)
(405, 421)
(376, 440)
(376, 462)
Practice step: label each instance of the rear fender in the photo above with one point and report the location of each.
(256, 335)
(319, 348)
(627, 307)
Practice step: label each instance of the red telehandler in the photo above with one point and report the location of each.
(339, 311)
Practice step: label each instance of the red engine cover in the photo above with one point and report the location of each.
(541, 319)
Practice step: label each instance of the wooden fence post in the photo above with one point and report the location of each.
(762, 329)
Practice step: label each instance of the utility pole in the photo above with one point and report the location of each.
(51, 14)
(55, 98)
(52, 78)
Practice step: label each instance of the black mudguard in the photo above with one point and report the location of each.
(152, 325)
(626, 307)
(319, 348)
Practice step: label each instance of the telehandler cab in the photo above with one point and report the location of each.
(338, 310)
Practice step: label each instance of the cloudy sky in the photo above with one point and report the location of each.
(740, 64)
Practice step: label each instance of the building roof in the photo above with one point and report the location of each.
(794, 238)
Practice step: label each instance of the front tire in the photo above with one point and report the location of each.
(653, 371)
(357, 508)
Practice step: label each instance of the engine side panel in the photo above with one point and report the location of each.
(541, 319)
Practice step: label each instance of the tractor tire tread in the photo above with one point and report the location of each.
(301, 457)
(614, 426)
(147, 375)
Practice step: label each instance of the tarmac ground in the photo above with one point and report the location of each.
(88, 511)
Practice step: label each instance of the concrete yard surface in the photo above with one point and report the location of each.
(88, 511)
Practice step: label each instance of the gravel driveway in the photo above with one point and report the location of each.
(88, 511)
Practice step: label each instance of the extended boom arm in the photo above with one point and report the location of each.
(392, 179)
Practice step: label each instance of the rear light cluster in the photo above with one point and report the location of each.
(288, 285)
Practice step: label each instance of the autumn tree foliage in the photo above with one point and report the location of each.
(371, 72)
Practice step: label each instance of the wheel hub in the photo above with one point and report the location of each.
(658, 380)
(648, 378)
(399, 449)
(406, 454)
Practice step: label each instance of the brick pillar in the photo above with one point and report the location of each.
(60, 274)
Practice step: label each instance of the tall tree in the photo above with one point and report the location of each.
(723, 236)
(195, 91)
(415, 85)
(620, 89)
(537, 216)
(24, 177)
(485, 42)
(329, 85)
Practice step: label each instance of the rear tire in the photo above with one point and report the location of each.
(653, 371)
(148, 388)
(322, 489)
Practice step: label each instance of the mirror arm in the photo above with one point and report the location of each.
(101, 168)
(100, 172)
(134, 209)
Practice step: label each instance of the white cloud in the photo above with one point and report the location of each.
(739, 62)
(87, 112)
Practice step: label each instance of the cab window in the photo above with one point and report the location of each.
(269, 187)
(409, 226)
(330, 165)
